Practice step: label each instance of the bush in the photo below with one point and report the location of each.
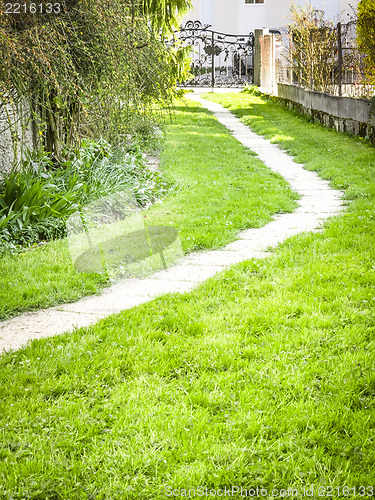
(313, 45)
(36, 200)
(366, 35)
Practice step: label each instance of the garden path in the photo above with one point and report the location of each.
(318, 202)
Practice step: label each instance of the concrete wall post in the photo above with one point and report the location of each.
(265, 60)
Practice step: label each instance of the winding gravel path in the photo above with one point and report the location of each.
(318, 202)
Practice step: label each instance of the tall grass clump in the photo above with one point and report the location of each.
(37, 198)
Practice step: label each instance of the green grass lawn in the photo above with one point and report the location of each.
(263, 377)
(214, 199)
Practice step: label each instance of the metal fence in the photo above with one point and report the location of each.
(217, 59)
(350, 79)
(344, 65)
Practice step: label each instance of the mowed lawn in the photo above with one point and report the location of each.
(219, 189)
(262, 378)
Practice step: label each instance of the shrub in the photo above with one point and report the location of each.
(366, 36)
(36, 200)
(313, 45)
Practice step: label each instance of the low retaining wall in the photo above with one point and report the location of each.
(345, 114)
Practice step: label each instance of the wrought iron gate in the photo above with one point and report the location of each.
(218, 59)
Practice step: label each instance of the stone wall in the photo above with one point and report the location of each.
(15, 138)
(345, 114)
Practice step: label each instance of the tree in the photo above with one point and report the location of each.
(366, 35)
(165, 14)
(94, 67)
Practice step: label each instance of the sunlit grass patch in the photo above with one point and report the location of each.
(221, 189)
(263, 377)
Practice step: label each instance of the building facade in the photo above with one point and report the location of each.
(243, 16)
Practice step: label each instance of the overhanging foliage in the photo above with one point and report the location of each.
(366, 35)
(96, 67)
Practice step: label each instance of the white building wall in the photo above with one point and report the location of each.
(348, 10)
(278, 13)
(251, 17)
(331, 8)
(235, 16)
(228, 16)
(226, 19)
(207, 12)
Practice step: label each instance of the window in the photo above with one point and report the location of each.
(254, 1)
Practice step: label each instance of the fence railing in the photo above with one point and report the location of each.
(217, 59)
(341, 72)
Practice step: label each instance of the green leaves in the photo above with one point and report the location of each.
(313, 45)
(96, 69)
(165, 14)
(366, 35)
(27, 199)
(36, 200)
